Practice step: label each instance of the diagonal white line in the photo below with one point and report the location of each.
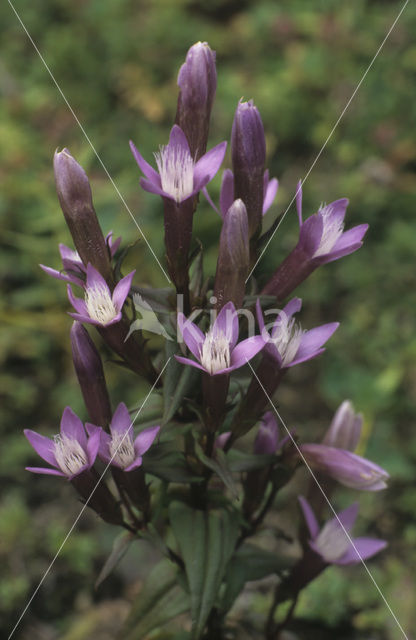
(88, 139)
(330, 135)
(329, 504)
(84, 507)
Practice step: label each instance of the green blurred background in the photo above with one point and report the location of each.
(116, 62)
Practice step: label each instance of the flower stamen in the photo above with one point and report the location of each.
(69, 454)
(215, 352)
(332, 230)
(100, 305)
(176, 169)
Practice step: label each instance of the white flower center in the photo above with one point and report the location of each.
(287, 339)
(215, 352)
(122, 448)
(176, 169)
(332, 542)
(69, 455)
(332, 230)
(100, 305)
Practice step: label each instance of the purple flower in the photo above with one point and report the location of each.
(347, 468)
(73, 265)
(267, 438)
(345, 429)
(322, 236)
(217, 351)
(332, 543)
(70, 452)
(179, 177)
(100, 307)
(119, 448)
(288, 343)
(270, 188)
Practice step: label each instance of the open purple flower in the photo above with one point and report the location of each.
(347, 468)
(322, 236)
(100, 307)
(288, 343)
(179, 177)
(69, 453)
(270, 188)
(72, 265)
(217, 351)
(332, 543)
(120, 448)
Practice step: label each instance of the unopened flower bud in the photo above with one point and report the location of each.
(249, 156)
(197, 81)
(90, 374)
(233, 257)
(267, 438)
(74, 193)
(345, 429)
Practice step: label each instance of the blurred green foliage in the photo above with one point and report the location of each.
(116, 62)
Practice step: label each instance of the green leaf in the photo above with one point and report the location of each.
(220, 466)
(120, 546)
(160, 300)
(251, 563)
(161, 599)
(178, 381)
(166, 462)
(241, 461)
(206, 541)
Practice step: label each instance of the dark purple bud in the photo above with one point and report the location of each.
(345, 429)
(97, 495)
(197, 81)
(74, 193)
(233, 257)
(90, 374)
(248, 147)
(267, 438)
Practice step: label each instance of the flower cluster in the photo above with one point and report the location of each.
(217, 376)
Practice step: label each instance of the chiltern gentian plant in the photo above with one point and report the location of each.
(187, 481)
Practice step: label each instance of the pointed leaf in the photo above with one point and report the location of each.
(220, 466)
(178, 382)
(206, 541)
(159, 600)
(120, 546)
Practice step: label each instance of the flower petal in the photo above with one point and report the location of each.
(137, 462)
(151, 187)
(269, 193)
(227, 191)
(95, 279)
(191, 362)
(313, 340)
(309, 516)
(192, 335)
(144, 166)
(43, 446)
(78, 304)
(121, 422)
(177, 138)
(72, 427)
(207, 166)
(245, 351)
(226, 323)
(145, 440)
(310, 234)
(210, 200)
(46, 471)
(82, 318)
(298, 197)
(121, 290)
(366, 548)
(93, 445)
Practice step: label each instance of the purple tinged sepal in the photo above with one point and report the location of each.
(233, 257)
(345, 429)
(75, 197)
(333, 542)
(197, 81)
(90, 373)
(345, 467)
(248, 148)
